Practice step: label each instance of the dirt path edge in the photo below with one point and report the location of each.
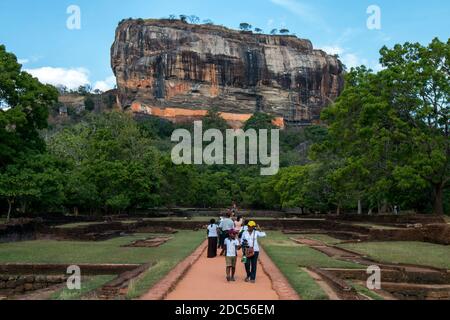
(163, 287)
(279, 282)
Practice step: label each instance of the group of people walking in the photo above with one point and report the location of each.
(233, 234)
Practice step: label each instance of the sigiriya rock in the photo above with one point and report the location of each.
(179, 71)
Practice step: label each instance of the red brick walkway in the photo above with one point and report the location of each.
(160, 290)
(199, 278)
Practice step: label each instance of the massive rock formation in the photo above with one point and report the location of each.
(165, 67)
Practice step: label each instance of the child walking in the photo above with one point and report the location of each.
(231, 247)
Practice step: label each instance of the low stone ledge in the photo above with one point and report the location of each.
(406, 291)
(58, 269)
(341, 288)
(395, 275)
(11, 285)
(119, 286)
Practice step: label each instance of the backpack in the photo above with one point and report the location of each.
(250, 252)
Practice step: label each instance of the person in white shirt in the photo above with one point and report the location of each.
(219, 234)
(225, 226)
(212, 238)
(249, 241)
(232, 246)
(238, 224)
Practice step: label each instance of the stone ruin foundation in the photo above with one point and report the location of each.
(151, 242)
(398, 281)
(20, 281)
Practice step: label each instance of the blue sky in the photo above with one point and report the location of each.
(36, 30)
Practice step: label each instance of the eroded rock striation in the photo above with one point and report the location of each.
(165, 66)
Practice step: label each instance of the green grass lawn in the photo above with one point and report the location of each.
(323, 238)
(87, 285)
(420, 253)
(364, 290)
(128, 221)
(375, 226)
(166, 257)
(109, 251)
(291, 257)
(78, 224)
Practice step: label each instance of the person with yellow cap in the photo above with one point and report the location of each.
(250, 238)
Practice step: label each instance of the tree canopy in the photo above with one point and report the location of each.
(390, 129)
(24, 105)
(384, 142)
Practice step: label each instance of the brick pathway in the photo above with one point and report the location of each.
(160, 290)
(200, 278)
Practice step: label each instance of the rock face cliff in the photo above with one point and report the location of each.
(162, 64)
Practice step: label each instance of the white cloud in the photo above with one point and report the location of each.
(304, 11)
(351, 59)
(70, 78)
(297, 8)
(29, 60)
(106, 84)
(332, 50)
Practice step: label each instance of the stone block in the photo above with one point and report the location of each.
(38, 285)
(19, 289)
(28, 286)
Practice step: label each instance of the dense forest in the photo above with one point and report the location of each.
(383, 143)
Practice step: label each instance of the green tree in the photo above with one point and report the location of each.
(390, 129)
(194, 19)
(24, 109)
(115, 161)
(178, 179)
(84, 90)
(15, 185)
(89, 103)
(213, 120)
(244, 26)
(260, 120)
(156, 127)
(80, 191)
(418, 79)
(36, 182)
(183, 18)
